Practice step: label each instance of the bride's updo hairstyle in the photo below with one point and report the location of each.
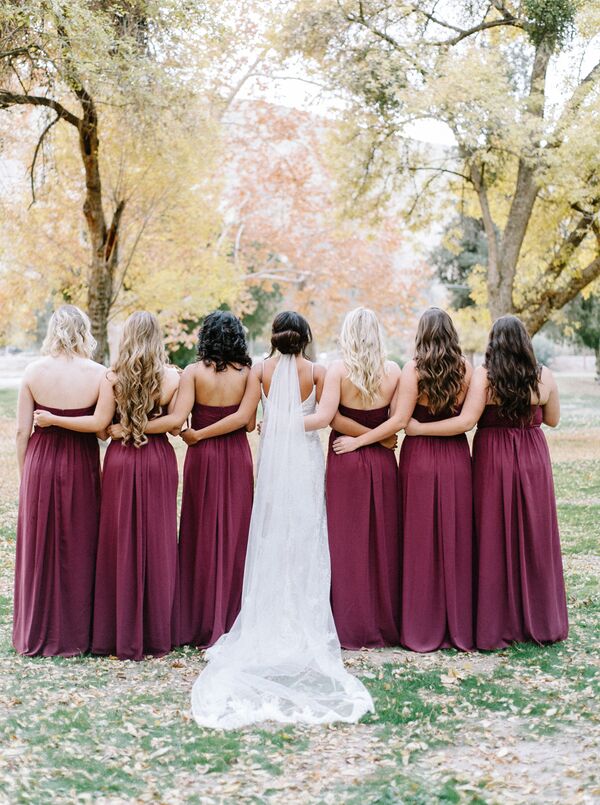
(69, 333)
(139, 372)
(222, 342)
(363, 351)
(439, 361)
(291, 334)
(512, 369)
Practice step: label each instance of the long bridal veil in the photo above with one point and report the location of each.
(281, 660)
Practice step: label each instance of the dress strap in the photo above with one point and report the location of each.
(262, 375)
(312, 373)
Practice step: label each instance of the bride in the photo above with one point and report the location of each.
(281, 661)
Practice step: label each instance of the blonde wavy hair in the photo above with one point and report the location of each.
(69, 333)
(139, 372)
(363, 351)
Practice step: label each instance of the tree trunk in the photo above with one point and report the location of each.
(103, 240)
(504, 252)
(99, 296)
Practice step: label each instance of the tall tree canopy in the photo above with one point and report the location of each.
(117, 85)
(525, 158)
(281, 210)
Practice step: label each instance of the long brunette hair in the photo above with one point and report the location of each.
(439, 361)
(512, 369)
(139, 369)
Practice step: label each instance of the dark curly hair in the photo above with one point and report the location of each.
(290, 334)
(222, 341)
(439, 361)
(512, 369)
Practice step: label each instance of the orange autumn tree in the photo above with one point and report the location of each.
(281, 203)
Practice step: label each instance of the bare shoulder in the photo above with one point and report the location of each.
(95, 367)
(264, 366)
(171, 375)
(319, 371)
(468, 370)
(335, 368)
(547, 378)
(192, 369)
(410, 367)
(32, 369)
(480, 375)
(37, 366)
(392, 369)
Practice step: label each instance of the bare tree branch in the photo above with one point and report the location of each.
(439, 170)
(463, 33)
(8, 98)
(234, 91)
(584, 224)
(553, 298)
(35, 156)
(112, 235)
(360, 19)
(577, 98)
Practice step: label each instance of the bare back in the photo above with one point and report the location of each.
(310, 375)
(351, 397)
(219, 388)
(64, 382)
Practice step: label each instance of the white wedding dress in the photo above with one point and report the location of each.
(281, 661)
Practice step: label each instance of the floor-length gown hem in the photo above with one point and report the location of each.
(57, 535)
(281, 660)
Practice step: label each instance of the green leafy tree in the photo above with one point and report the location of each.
(266, 299)
(524, 163)
(463, 248)
(120, 72)
(583, 325)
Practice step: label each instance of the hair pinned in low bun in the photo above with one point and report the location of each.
(290, 334)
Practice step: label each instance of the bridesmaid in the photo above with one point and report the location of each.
(291, 334)
(435, 494)
(59, 496)
(136, 571)
(218, 482)
(361, 489)
(521, 593)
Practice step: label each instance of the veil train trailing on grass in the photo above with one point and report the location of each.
(281, 661)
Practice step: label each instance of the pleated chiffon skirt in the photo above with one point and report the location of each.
(218, 487)
(436, 524)
(57, 534)
(521, 592)
(135, 602)
(362, 521)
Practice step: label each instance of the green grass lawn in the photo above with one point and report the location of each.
(519, 725)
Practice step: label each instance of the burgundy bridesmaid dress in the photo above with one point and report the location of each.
(135, 611)
(436, 523)
(521, 592)
(57, 534)
(362, 519)
(218, 487)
